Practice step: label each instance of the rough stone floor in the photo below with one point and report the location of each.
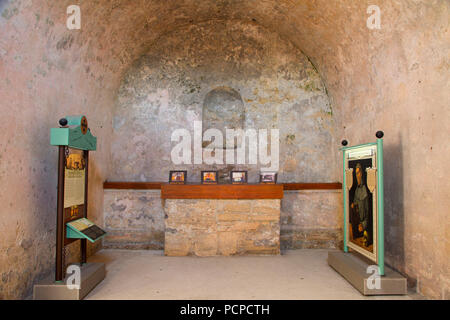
(296, 274)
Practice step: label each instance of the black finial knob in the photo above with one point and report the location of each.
(63, 122)
(344, 142)
(379, 134)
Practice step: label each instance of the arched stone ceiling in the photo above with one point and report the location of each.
(332, 33)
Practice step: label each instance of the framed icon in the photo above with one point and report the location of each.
(209, 177)
(238, 177)
(362, 200)
(268, 177)
(178, 177)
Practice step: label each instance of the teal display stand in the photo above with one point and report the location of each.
(73, 133)
(380, 199)
(357, 267)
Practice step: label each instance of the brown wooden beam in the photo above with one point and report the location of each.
(157, 185)
(132, 185)
(221, 191)
(312, 186)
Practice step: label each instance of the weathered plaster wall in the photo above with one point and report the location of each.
(405, 91)
(395, 79)
(311, 219)
(46, 74)
(134, 219)
(166, 90)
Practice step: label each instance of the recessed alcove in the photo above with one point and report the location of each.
(223, 109)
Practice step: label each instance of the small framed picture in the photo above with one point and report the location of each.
(209, 177)
(177, 177)
(238, 177)
(268, 177)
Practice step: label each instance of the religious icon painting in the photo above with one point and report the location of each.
(177, 177)
(360, 185)
(238, 177)
(268, 177)
(209, 177)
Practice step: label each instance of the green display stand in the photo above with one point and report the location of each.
(74, 140)
(74, 134)
(379, 196)
(364, 267)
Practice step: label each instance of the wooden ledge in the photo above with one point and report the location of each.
(312, 186)
(222, 191)
(157, 186)
(133, 185)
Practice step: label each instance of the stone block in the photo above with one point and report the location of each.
(222, 227)
(237, 206)
(205, 244)
(354, 269)
(177, 244)
(227, 243)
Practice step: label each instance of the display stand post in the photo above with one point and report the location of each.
(59, 272)
(380, 198)
(84, 241)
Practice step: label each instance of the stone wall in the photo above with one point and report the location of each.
(45, 75)
(308, 219)
(133, 219)
(312, 219)
(221, 227)
(192, 73)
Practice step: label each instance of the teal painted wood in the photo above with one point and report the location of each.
(59, 136)
(73, 137)
(359, 146)
(74, 120)
(75, 234)
(380, 197)
(344, 188)
(82, 141)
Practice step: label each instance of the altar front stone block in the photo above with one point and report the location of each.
(210, 227)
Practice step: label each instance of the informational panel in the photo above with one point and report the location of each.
(74, 178)
(87, 228)
(74, 187)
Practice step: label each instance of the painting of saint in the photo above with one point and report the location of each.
(360, 206)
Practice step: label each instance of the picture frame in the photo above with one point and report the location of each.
(363, 201)
(268, 177)
(177, 177)
(209, 177)
(239, 177)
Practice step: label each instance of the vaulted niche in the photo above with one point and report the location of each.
(223, 75)
(223, 109)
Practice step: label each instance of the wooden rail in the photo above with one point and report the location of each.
(133, 185)
(222, 191)
(312, 186)
(157, 185)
